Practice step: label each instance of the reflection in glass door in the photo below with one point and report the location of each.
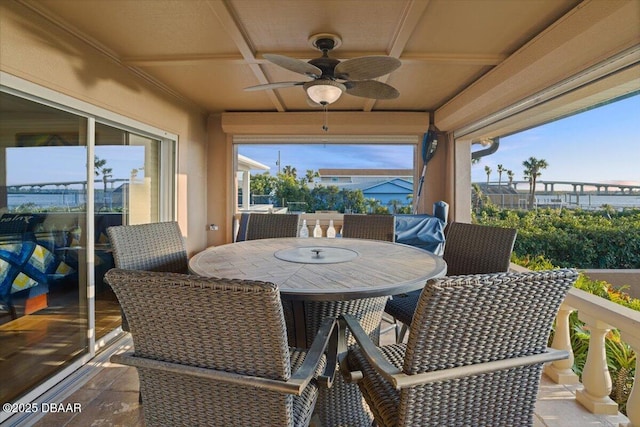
(43, 287)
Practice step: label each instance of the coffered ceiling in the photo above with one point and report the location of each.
(207, 51)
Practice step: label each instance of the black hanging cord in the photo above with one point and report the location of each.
(325, 126)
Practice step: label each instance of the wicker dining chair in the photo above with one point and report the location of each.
(474, 355)
(373, 227)
(469, 249)
(255, 226)
(193, 372)
(342, 404)
(152, 247)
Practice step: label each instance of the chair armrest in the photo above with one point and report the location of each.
(325, 339)
(370, 350)
(295, 385)
(401, 380)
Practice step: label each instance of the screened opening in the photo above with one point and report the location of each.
(317, 176)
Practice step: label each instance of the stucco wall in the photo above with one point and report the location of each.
(40, 52)
(630, 279)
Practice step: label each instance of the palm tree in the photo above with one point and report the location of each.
(395, 205)
(290, 171)
(99, 166)
(532, 168)
(372, 204)
(500, 170)
(310, 175)
(510, 175)
(487, 169)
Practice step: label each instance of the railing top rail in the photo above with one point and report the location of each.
(614, 314)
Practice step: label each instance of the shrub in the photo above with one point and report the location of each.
(573, 238)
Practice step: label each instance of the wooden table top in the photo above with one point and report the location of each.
(371, 268)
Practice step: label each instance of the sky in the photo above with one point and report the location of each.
(599, 145)
(26, 165)
(318, 156)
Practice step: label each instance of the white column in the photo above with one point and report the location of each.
(246, 194)
(595, 375)
(560, 371)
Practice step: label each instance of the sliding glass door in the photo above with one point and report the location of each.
(64, 179)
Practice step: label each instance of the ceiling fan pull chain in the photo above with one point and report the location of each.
(325, 126)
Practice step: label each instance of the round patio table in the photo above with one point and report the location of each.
(323, 269)
(319, 278)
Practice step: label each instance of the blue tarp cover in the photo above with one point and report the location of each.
(423, 231)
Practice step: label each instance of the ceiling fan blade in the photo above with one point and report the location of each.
(366, 67)
(293, 64)
(371, 89)
(278, 85)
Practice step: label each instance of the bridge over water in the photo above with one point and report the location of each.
(575, 187)
(55, 187)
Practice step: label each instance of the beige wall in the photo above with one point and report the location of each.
(629, 279)
(35, 50)
(220, 177)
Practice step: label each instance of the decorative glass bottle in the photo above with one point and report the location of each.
(331, 231)
(317, 231)
(304, 231)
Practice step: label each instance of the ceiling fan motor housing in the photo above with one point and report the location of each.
(327, 65)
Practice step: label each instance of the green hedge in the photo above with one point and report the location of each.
(573, 237)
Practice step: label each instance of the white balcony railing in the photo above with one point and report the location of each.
(600, 316)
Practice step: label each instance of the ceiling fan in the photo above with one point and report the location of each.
(332, 77)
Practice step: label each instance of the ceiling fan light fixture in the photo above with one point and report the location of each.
(323, 91)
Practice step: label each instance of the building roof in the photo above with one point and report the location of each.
(365, 172)
(246, 164)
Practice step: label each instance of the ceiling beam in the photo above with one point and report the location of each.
(578, 48)
(406, 26)
(222, 10)
(413, 58)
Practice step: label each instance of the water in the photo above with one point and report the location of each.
(591, 201)
(46, 200)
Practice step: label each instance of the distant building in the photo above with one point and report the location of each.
(385, 191)
(341, 177)
(383, 185)
(243, 175)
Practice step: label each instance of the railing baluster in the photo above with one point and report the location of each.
(595, 374)
(561, 371)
